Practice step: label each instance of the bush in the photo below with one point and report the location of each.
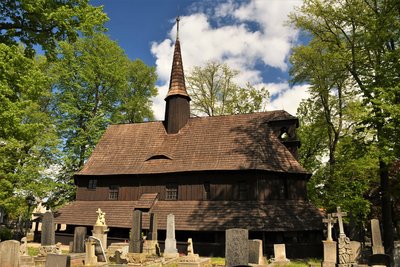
(5, 234)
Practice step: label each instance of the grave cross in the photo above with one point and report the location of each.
(340, 214)
(330, 221)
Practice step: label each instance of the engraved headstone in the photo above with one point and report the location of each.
(256, 252)
(9, 253)
(90, 256)
(280, 253)
(53, 260)
(79, 239)
(135, 243)
(99, 250)
(236, 247)
(377, 247)
(170, 250)
(153, 227)
(48, 230)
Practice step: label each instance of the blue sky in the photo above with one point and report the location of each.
(249, 35)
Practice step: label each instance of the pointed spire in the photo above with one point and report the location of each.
(177, 81)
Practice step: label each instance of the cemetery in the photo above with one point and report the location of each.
(192, 191)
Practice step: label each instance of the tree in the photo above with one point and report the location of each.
(95, 84)
(44, 23)
(364, 35)
(214, 91)
(27, 137)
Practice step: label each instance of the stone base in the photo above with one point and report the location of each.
(378, 250)
(328, 264)
(149, 247)
(40, 261)
(26, 261)
(200, 262)
(170, 255)
(137, 258)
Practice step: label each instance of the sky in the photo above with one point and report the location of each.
(251, 36)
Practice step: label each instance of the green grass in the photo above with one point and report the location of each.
(217, 261)
(33, 251)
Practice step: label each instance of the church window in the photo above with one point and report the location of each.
(284, 135)
(207, 191)
(113, 193)
(243, 191)
(171, 192)
(92, 184)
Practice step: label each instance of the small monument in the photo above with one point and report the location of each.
(280, 254)
(47, 243)
(9, 253)
(100, 229)
(135, 243)
(377, 247)
(90, 257)
(150, 246)
(236, 247)
(170, 242)
(256, 252)
(79, 239)
(192, 259)
(344, 244)
(330, 254)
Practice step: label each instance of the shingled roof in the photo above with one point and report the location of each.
(288, 215)
(235, 142)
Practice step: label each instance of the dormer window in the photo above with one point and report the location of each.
(159, 156)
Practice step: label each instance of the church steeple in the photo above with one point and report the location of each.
(177, 111)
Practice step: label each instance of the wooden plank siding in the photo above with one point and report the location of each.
(260, 186)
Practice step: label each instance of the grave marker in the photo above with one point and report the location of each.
(79, 239)
(170, 250)
(280, 253)
(53, 260)
(135, 243)
(256, 252)
(330, 222)
(377, 247)
(48, 230)
(236, 247)
(9, 253)
(344, 244)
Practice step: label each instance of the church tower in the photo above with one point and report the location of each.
(177, 110)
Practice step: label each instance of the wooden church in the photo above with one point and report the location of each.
(212, 173)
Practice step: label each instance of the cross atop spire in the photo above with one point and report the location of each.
(177, 27)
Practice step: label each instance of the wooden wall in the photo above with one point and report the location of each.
(191, 186)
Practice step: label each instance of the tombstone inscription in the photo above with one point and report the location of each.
(236, 247)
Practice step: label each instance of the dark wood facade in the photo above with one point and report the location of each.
(217, 185)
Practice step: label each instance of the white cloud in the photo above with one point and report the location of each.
(288, 98)
(234, 41)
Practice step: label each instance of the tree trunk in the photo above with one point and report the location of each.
(387, 225)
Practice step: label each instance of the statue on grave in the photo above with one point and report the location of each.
(101, 218)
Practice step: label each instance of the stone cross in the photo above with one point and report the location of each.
(101, 218)
(340, 214)
(330, 221)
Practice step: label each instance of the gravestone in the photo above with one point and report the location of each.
(153, 227)
(90, 256)
(256, 252)
(170, 250)
(48, 230)
(1, 215)
(9, 253)
(79, 239)
(135, 242)
(396, 254)
(330, 254)
(100, 229)
(356, 251)
(236, 247)
(377, 247)
(53, 260)
(344, 244)
(99, 250)
(280, 253)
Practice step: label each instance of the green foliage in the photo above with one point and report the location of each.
(95, 84)
(5, 234)
(352, 65)
(214, 92)
(45, 22)
(27, 137)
